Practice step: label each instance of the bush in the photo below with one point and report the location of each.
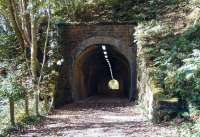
(174, 60)
(7, 46)
(174, 63)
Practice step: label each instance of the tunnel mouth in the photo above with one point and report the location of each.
(92, 73)
(113, 84)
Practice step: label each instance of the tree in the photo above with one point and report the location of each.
(11, 89)
(24, 17)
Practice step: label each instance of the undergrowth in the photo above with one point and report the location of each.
(174, 63)
(25, 122)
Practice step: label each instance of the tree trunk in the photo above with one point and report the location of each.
(14, 23)
(26, 99)
(34, 62)
(12, 111)
(36, 102)
(34, 69)
(46, 103)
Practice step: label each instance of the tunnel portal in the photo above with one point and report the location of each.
(85, 71)
(92, 73)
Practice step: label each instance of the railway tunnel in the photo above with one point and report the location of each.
(92, 73)
(85, 71)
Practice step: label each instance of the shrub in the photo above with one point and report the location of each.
(174, 60)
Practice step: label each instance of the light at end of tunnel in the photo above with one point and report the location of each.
(103, 47)
(113, 84)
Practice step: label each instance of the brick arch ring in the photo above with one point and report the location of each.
(97, 40)
(86, 47)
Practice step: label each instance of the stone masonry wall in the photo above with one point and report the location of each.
(152, 99)
(74, 39)
(146, 98)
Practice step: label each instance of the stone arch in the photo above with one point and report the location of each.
(117, 43)
(77, 39)
(84, 51)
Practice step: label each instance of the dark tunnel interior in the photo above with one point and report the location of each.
(94, 73)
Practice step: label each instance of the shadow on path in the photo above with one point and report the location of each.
(98, 117)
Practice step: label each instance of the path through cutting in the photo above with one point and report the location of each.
(99, 117)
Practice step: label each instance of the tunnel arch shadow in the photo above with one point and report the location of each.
(91, 73)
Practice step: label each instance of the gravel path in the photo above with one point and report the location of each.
(99, 118)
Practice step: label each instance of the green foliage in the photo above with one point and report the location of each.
(25, 122)
(174, 60)
(30, 120)
(174, 63)
(52, 66)
(8, 41)
(8, 49)
(16, 83)
(150, 33)
(179, 66)
(68, 10)
(188, 78)
(111, 10)
(114, 3)
(10, 88)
